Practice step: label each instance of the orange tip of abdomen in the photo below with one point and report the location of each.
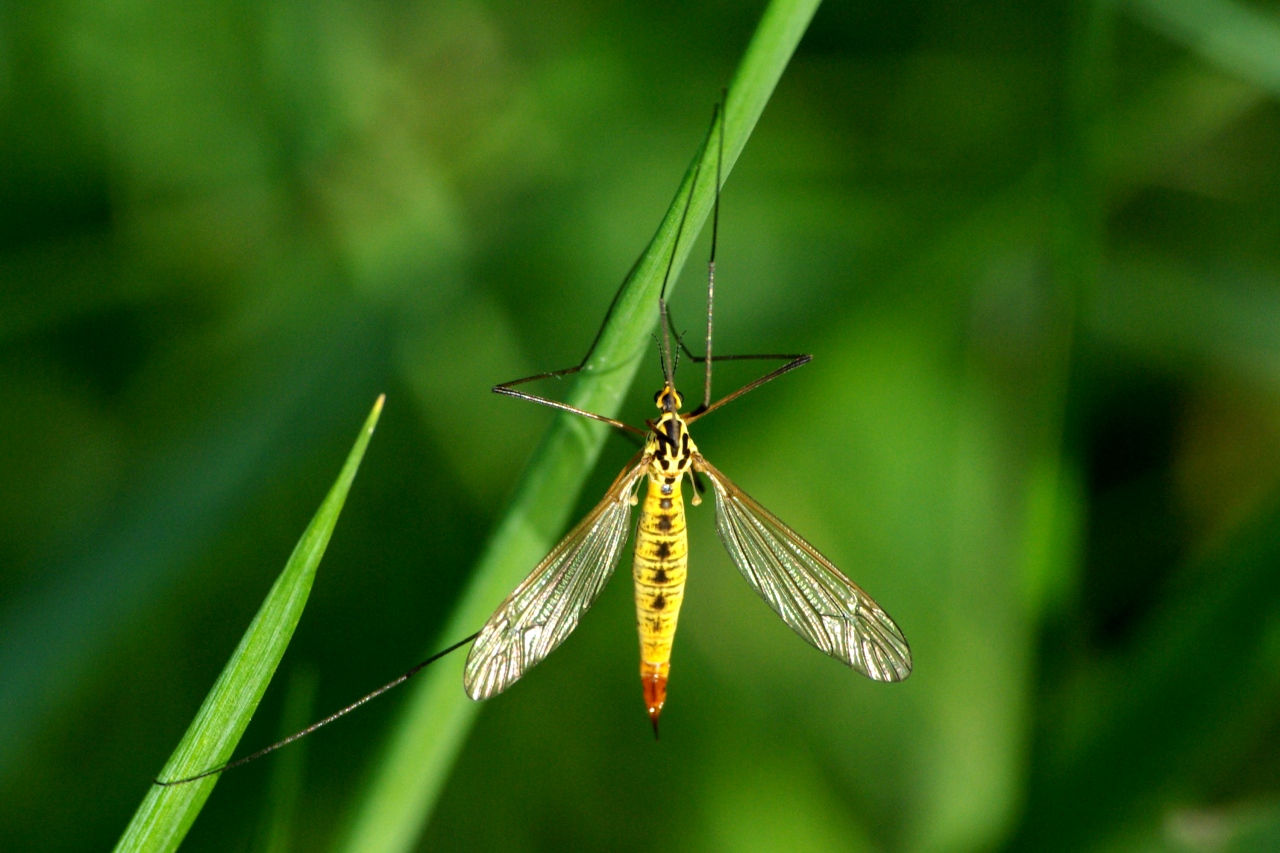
(653, 676)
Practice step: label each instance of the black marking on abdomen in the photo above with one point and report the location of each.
(664, 522)
(659, 602)
(662, 551)
(665, 503)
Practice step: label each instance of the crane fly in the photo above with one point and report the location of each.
(811, 595)
(803, 587)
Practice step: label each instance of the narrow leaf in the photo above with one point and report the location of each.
(430, 732)
(166, 813)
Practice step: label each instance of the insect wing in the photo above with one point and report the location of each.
(810, 594)
(547, 605)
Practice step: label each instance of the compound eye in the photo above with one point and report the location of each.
(656, 395)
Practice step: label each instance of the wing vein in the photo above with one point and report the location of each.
(803, 587)
(545, 608)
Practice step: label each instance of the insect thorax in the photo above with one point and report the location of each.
(671, 447)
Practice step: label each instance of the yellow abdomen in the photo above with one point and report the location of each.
(660, 566)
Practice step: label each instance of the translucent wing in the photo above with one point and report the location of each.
(804, 588)
(547, 605)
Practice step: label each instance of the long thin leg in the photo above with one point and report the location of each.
(796, 361)
(165, 783)
(508, 388)
(793, 360)
(750, 357)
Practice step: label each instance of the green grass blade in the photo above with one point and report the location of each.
(428, 735)
(165, 815)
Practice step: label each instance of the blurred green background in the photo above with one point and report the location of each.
(1035, 249)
